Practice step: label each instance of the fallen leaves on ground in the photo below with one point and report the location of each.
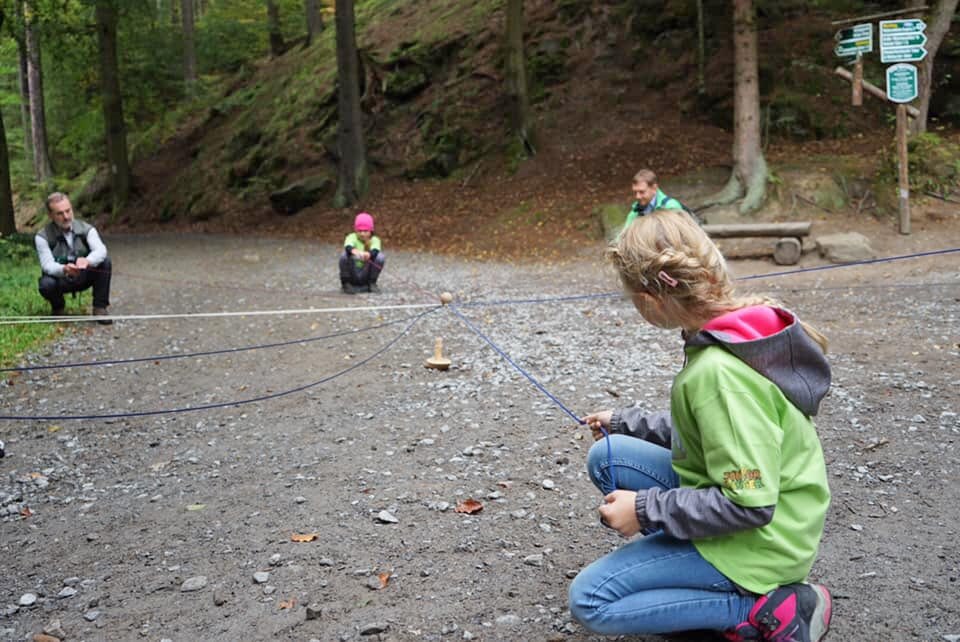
(288, 604)
(303, 537)
(384, 579)
(469, 506)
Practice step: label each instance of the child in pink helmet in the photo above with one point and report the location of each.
(362, 259)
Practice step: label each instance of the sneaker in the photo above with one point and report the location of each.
(102, 312)
(791, 613)
(349, 288)
(374, 288)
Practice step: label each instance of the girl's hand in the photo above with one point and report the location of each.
(598, 420)
(619, 512)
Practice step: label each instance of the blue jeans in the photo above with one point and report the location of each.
(657, 583)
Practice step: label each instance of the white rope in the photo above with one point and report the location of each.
(250, 313)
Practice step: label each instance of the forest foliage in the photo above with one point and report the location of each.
(283, 105)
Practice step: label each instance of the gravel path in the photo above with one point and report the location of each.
(179, 526)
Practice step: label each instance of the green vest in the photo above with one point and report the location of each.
(62, 253)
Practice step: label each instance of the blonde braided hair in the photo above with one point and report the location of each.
(668, 255)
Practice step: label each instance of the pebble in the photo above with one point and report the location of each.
(548, 484)
(55, 629)
(67, 591)
(534, 560)
(261, 577)
(314, 611)
(193, 584)
(386, 517)
(91, 616)
(508, 620)
(374, 628)
(28, 599)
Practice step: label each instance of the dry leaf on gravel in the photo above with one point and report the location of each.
(303, 537)
(469, 506)
(384, 579)
(288, 604)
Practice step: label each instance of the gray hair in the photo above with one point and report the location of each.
(55, 197)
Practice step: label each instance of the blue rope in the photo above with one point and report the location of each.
(207, 353)
(539, 386)
(820, 268)
(226, 404)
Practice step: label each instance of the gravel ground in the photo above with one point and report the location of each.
(180, 526)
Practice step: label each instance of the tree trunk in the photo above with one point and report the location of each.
(518, 97)
(24, 98)
(938, 24)
(749, 167)
(106, 16)
(189, 48)
(701, 50)
(42, 169)
(273, 28)
(8, 222)
(314, 19)
(353, 178)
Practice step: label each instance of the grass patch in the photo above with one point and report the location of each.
(19, 271)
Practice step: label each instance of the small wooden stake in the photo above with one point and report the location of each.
(437, 361)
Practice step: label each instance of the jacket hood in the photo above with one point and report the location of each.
(772, 342)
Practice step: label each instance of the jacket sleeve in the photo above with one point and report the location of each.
(48, 265)
(655, 427)
(693, 513)
(98, 251)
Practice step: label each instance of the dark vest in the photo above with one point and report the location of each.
(62, 253)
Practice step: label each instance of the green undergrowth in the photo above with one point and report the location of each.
(19, 297)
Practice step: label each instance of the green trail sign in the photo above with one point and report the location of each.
(853, 47)
(854, 40)
(902, 84)
(902, 40)
(856, 32)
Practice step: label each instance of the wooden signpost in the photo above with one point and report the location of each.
(901, 40)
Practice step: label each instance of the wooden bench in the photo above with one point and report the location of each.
(789, 245)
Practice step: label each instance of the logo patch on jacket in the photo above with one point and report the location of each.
(743, 479)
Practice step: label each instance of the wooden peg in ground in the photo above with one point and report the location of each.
(437, 361)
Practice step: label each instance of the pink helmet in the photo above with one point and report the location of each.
(363, 222)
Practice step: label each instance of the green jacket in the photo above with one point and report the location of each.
(660, 202)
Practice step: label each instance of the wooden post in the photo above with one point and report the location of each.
(903, 182)
(870, 88)
(857, 84)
